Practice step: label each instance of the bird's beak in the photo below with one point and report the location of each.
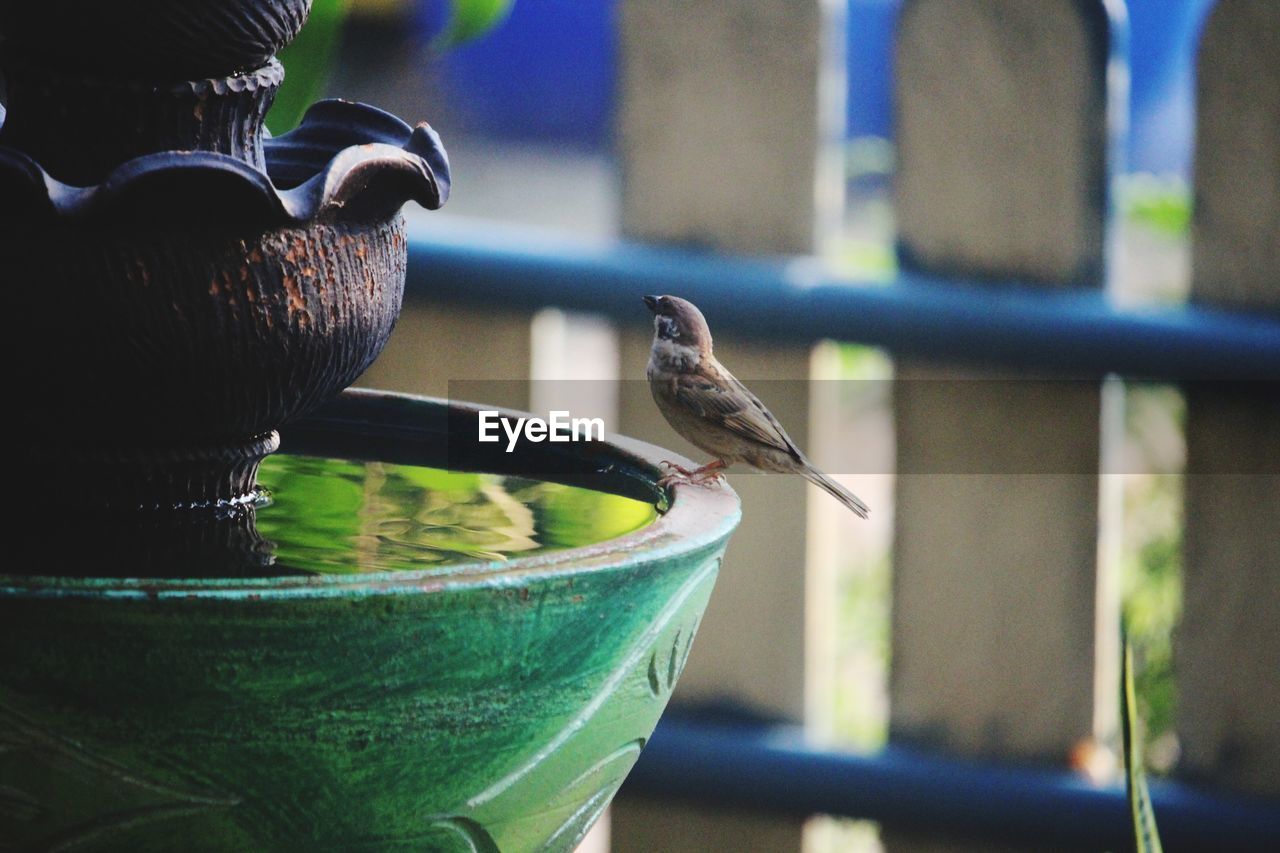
(652, 302)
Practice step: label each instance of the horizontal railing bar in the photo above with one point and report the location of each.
(1078, 332)
(766, 767)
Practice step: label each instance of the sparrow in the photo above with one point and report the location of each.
(708, 406)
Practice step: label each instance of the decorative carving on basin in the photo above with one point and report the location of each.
(446, 719)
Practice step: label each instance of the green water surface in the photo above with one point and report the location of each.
(337, 516)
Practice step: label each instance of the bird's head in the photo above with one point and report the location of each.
(679, 321)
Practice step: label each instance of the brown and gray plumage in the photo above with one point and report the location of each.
(705, 403)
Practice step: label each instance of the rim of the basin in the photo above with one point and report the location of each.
(696, 517)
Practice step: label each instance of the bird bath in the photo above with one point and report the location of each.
(355, 661)
(487, 703)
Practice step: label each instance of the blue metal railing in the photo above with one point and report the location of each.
(733, 761)
(1078, 332)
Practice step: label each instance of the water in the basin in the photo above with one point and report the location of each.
(338, 516)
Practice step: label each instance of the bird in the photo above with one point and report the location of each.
(707, 405)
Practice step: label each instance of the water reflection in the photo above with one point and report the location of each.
(339, 516)
(329, 516)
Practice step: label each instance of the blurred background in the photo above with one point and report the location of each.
(529, 111)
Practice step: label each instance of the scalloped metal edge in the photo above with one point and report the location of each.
(343, 161)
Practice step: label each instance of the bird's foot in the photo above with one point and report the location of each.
(712, 472)
(675, 474)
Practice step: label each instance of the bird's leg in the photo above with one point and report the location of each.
(709, 473)
(712, 471)
(675, 474)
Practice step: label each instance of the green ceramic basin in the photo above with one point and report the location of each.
(484, 707)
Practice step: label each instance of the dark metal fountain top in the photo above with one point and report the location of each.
(181, 284)
(344, 162)
(151, 40)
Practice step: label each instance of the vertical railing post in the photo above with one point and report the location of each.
(1003, 138)
(728, 115)
(1227, 654)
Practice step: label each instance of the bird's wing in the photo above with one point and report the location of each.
(731, 405)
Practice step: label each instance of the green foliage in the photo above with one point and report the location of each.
(307, 62)
(1146, 835)
(471, 19)
(870, 260)
(1151, 562)
(1162, 204)
(1153, 604)
(309, 59)
(864, 651)
(865, 248)
(866, 363)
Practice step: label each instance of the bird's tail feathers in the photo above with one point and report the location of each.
(837, 491)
